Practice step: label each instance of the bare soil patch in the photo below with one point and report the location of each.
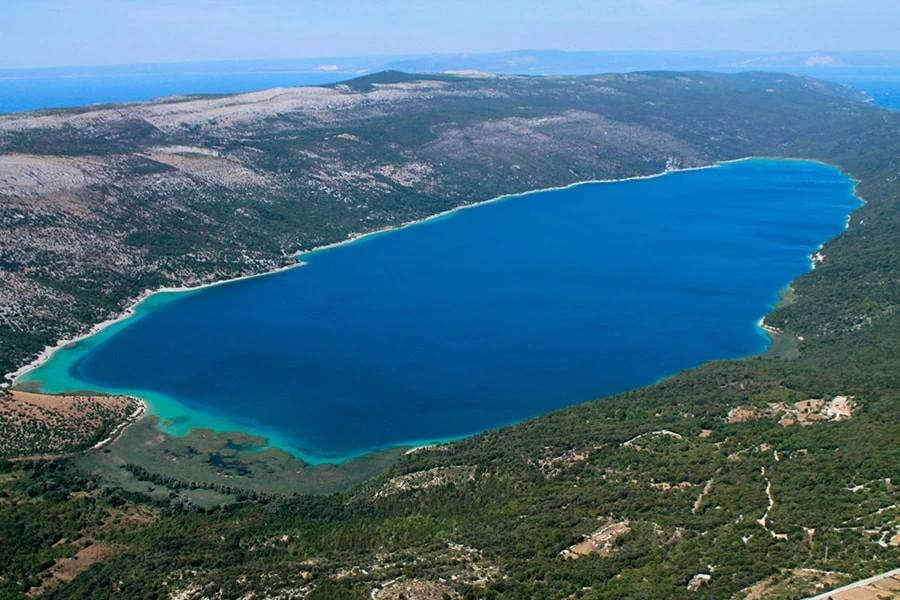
(41, 424)
(599, 542)
(805, 412)
(67, 569)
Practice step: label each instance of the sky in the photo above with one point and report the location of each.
(42, 33)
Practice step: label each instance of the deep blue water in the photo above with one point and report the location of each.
(491, 315)
(883, 92)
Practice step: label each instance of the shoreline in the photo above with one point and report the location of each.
(139, 413)
(133, 309)
(353, 238)
(48, 351)
(129, 312)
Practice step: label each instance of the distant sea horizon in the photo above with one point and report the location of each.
(69, 87)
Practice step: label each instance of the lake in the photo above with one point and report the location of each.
(477, 319)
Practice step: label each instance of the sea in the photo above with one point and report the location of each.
(478, 319)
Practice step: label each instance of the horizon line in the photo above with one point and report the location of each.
(770, 53)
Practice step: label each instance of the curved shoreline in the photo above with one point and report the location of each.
(140, 411)
(130, 311)
(133, 310)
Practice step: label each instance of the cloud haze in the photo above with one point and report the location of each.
(94, 32)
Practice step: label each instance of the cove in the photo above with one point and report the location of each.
(478, 319)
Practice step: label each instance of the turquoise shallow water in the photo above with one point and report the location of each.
(477, 320)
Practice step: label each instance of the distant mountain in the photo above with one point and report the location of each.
(556, 62)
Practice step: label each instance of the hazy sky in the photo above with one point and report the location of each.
(96, 32)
